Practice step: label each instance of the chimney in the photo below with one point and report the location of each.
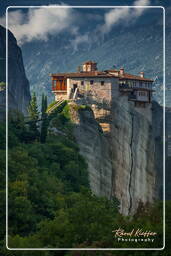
(142, 74)
(121, 71)
(79, 69)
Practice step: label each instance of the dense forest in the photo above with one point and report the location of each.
(50, 204)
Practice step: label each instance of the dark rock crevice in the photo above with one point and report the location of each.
(132, 163)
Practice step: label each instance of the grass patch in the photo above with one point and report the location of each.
(81, 107)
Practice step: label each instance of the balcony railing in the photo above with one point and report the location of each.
(132, 97)
(127, 86)
(124, 86)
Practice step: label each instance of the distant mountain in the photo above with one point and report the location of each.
(137, 48)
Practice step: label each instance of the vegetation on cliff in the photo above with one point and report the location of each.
(2, 86)
(50, 203)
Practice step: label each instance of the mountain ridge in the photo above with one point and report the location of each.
(137, 49)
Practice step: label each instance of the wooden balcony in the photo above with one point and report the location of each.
(60, 91)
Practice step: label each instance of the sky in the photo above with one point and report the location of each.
(40, 23)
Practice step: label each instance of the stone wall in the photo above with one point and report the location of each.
(95, 90)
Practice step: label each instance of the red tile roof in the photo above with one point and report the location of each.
(129, 76)
(89, 62)
(106, 73)
(134, 77)
(84, 74)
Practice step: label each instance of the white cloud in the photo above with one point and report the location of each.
(39, 23)
(117, 15)
(79, 39)
(114, 16)
(139, 11)
(142, 3)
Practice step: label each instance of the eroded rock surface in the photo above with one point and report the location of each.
(118, 141)
(18, 85)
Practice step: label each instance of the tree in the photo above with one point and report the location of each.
(44, 105)
(34, 116)
(33, 108)
(44, 125)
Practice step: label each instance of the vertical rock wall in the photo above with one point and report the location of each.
(133, 151)
(95, 148)
(18, 85)
(121, 157)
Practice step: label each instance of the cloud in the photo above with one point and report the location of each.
(39, 23)
(139, 11)
(79, 39)
(117, 15)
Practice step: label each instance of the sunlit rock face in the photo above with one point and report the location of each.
(18, 85)
(118, 140)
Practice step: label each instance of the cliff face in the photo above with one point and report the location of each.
(133, 151)
(168, 153)
(119, 143)
(18, 85)
(95, 148)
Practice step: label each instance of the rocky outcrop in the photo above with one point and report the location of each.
(18, 85)
(119, 143)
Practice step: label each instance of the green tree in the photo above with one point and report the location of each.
(34, 116)
(33, 108)
(44, 117)
(44, 105)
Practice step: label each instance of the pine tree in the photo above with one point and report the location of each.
(34, 116)
(44, 125)
(45, 103)
(44, 106)
(33, 108)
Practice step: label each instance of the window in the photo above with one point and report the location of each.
(142, 94)
(91, 82)
(82, 82)
(102, 82)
